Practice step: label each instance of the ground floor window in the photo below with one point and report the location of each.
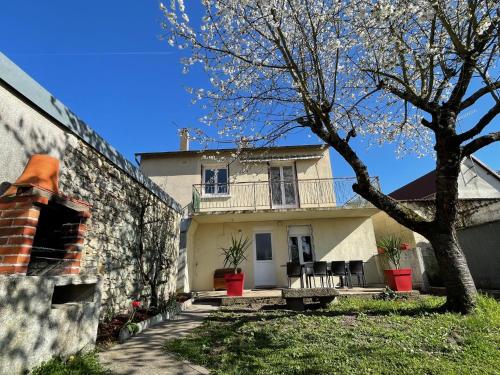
(300, 244)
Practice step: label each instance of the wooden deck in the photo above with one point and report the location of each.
(270, 296)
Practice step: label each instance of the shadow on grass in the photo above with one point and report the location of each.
(271, 312)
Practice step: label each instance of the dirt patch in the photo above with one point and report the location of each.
(107, 331)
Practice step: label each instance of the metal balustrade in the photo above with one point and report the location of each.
(278, 194)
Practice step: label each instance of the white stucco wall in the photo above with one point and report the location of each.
(24, 132)
(177, 173)
(475, 182)
(333, 239)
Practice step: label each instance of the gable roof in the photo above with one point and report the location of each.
(420, 188)
(425, 186)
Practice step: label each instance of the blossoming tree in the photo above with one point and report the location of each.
(390, 70)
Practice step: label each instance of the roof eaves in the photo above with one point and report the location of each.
(224, 150)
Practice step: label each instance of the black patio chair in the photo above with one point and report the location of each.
(308, 273)
(320, 269)
(356, 268)
(338, 268)
(294, 270)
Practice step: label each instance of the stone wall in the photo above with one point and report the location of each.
(112, 236)
(33, 121)
(45, 316)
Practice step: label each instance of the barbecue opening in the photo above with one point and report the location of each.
(57, 229)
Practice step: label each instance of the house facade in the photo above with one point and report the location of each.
(284, 199)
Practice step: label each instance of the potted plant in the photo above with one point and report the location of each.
(234, 255)
(398, 279)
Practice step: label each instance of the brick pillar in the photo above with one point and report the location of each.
(18, 221)
(73, 244)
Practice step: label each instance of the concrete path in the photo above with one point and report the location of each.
(143, 354)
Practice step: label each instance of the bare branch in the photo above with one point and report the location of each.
(412, 98)
(479, 143)
(479, 94)
(481, 124)
(365, 188)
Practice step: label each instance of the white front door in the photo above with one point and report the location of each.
(264, 270)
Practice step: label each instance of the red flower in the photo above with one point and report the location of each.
(405, 246)
(136, 304)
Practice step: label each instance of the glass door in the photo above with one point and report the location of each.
(283, 187)
(300, 244)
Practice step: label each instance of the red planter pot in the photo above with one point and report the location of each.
(399, 280)
(234, 284)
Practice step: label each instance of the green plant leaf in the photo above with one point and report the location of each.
(392, 249)
(234, 255)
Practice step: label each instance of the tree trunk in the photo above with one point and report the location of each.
(460, 289)
(441, 231)
(153, 302)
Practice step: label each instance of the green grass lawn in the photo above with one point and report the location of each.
(354, 336)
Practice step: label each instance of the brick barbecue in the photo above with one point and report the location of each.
(41, 229)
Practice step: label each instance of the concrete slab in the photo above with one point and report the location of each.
(144, 354)
(309, 293)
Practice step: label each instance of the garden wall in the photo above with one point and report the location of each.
(32, 121)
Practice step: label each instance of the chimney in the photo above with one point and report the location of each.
(243, 143)
(184, 139)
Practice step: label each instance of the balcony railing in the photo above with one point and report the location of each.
(265, 195)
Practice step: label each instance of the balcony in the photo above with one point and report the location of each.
(278, 195)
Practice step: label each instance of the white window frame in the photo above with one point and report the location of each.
(216, 193)
(300, 231)
(282, 185)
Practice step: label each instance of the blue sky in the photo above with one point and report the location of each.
(89, 54)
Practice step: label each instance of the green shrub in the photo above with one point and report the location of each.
(79, 364)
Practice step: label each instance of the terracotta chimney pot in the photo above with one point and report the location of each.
(41, 171)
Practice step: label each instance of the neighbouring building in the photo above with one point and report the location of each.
(476, 181)
(284, 199)
(478, 226)
(68, 227)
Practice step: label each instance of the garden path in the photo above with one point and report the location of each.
(144, 353)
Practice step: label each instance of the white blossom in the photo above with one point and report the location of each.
(271, 62)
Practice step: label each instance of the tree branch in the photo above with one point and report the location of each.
(479, 143)
(365, 188)
(410, 97)
(481, 124)
(479, 94)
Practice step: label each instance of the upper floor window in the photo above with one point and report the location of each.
(283, 186)
(215, 181)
